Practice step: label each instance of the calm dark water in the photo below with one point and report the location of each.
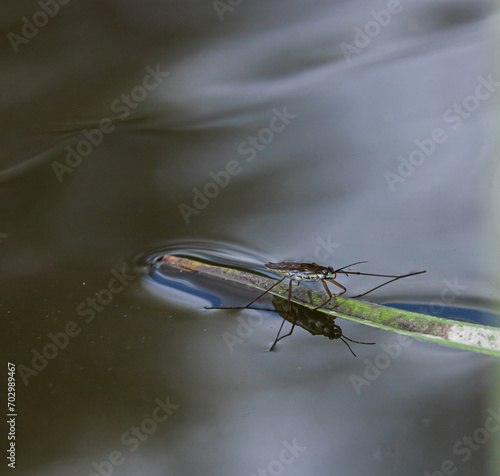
(253, 132)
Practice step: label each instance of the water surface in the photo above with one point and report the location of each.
(261, 132)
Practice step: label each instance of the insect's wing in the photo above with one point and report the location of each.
(296, 267)
(283, 267)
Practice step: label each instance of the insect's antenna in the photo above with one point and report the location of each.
(384, 276)
(344, 267)
(345, 342)
(356, 341)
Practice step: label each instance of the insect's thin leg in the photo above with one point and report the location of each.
(330, 295)
(278, 338)
(347, 273)
(251, 308)
(390, 281)
(256, 299)
(266, 291)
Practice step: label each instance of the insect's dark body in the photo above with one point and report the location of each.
(312, 272)
(316, 323)
(302, 271)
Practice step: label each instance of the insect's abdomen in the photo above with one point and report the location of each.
(307, 277)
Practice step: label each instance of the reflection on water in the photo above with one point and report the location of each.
(316, 323)
(332, 132)
(221, 253)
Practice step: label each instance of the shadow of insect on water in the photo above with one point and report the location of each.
(315, 322)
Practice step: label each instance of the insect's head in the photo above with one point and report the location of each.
(328, 271)
(332, 331)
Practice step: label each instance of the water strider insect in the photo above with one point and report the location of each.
(314, 272)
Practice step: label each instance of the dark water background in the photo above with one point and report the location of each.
(257, 132)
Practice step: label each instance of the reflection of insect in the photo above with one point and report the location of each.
(316, 323)
(313, 272)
